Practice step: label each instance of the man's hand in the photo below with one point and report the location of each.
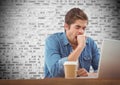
(81, 39)
(82, 72)
(81, 43)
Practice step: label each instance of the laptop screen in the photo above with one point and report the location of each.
(109, 65)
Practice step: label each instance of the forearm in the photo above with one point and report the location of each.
(57, 70)
(78, 50)
(75, 54)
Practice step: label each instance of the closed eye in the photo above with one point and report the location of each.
(77, 27)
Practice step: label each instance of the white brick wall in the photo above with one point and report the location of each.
(24, 25)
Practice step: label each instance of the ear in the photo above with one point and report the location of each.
(66, 26)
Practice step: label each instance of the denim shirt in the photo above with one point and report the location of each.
(57, 50)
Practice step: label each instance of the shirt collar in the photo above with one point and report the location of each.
(65, 40)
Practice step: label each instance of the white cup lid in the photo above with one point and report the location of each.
(70, 63)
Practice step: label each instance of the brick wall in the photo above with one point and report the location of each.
(24, 25)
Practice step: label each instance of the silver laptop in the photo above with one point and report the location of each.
(109, 65)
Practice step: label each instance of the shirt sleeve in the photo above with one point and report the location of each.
(95, 56)
(53, 58)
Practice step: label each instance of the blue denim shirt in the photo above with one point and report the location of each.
(57, 49)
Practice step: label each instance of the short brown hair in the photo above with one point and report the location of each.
(75, 14)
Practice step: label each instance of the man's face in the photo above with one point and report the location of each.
(77, 28)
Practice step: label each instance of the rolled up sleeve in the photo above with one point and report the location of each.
(53, 59)
(96, 55)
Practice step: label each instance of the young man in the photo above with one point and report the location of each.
(71, 45)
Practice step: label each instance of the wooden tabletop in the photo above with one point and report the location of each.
(61, 81)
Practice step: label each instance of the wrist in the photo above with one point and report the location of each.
(79, 47)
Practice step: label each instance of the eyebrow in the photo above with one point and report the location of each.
(78, 26)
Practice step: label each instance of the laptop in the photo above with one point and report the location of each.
(109, 64)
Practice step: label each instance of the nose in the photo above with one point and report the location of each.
(81, 31)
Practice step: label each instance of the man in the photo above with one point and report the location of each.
(71, 45)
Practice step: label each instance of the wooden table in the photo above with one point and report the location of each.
(61, 81)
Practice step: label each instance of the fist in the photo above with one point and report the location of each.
(81, 39)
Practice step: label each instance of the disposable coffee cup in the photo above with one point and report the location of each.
(70, 69)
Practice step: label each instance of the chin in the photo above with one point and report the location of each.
(76, 43)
